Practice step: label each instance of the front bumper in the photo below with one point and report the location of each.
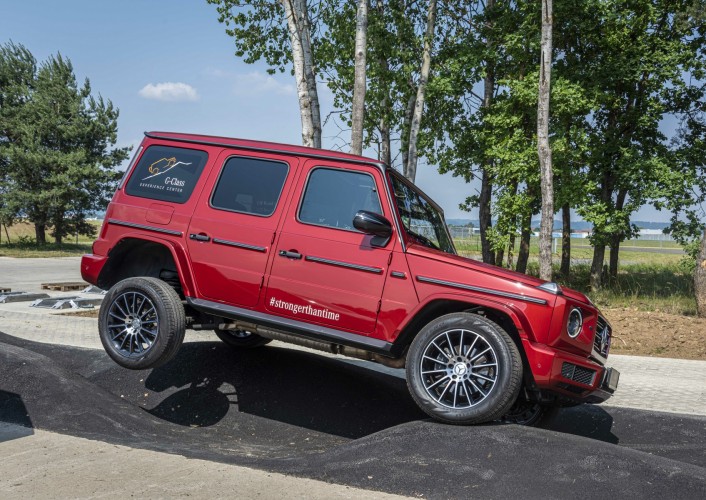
(569, 375)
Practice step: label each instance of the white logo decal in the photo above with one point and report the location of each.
(308, 310)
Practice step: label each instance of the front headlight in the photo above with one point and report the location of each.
(574, 323)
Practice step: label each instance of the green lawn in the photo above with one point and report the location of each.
(22, 243)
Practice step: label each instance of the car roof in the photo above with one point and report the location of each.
(274, 147)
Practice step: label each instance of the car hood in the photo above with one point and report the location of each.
(466, 263)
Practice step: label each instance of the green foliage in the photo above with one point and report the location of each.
(55, 145)
(258, 29)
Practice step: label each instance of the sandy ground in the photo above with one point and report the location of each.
(659, 334)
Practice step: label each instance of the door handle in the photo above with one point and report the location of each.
(291, 254)
(199, 237)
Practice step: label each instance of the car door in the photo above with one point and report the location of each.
(325, 271)
(233, 227)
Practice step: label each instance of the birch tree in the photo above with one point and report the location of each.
(410, 170)
(543, 148)
(700, 278)
(359, 80)
(280, 33)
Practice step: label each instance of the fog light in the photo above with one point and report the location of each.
(574, 324)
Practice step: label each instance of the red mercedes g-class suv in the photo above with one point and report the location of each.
(261, 241)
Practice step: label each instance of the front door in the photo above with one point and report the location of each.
(232, 230)
(324, 270)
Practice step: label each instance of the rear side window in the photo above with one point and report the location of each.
(250, 186)
(167, 174)
(333, 196)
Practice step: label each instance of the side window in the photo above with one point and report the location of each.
(333, 196)
(167, 174)
(250, 186)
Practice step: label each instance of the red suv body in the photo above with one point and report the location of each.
(263, 241)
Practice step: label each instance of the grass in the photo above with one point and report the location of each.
(23, 244)
(645, 287)
(646, 281)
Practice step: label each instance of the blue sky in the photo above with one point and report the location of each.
(168, 65)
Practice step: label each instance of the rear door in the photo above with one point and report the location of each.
(325, 271)
(232, 229)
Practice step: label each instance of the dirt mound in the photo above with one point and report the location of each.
(645, 333)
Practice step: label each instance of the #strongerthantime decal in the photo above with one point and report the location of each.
(308, 310)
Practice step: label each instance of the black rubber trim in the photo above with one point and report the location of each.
(236, 244)
(313, 154)
(117, 222)
(308, 330)
(348, 265)
(489, 291)
(398, 274)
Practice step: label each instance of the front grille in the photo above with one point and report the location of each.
(601, 341)
(577, 373)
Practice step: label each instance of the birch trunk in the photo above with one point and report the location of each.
(543, 149)
(361, 45)
(597, 266)
(409, 112)
(385, 154)
(385, 149)
(486, 189)
(412, 156)
(298, 26)
(565, 269)
(700, 278)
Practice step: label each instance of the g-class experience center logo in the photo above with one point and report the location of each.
(160, 168)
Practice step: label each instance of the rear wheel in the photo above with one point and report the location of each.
(464, 369)
(241, 339)
(141, 323)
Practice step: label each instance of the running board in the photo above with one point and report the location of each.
(290, 326)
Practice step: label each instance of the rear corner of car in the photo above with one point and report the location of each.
(153, 202)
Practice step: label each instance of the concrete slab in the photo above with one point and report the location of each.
(8, 297)
(105, 470)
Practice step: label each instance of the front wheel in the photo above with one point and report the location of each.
(141, 323)
(464, 369)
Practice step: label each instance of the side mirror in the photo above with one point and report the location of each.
(375, 224)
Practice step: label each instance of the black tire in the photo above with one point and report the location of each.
(241, 339)
(473, 357)
(528, 413)
(141, 323)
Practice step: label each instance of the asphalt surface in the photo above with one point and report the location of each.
(298, 413)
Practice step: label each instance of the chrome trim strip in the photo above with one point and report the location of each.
(292, 326)
(357, 267)
(146, 228)
(236, 244)
(490, 291)
(313, 154)
(398, 274)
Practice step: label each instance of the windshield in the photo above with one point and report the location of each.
(422, 221)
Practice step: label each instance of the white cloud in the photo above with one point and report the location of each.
(257, 83)
(169, 91)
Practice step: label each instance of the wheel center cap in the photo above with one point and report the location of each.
(460, 369)
(136, 324)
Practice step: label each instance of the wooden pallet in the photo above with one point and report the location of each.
(65, 286)
(5, 290)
